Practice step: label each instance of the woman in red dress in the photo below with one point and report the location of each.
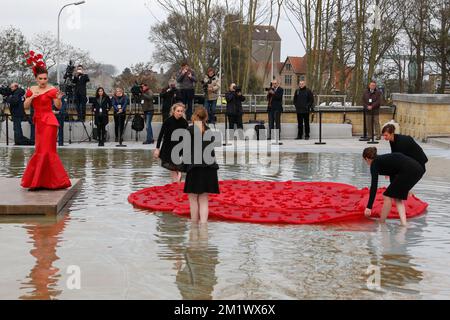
(45, 169)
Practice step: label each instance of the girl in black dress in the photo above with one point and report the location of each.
(404, 172)
(101, 106)
(201, 178)
(175, 121)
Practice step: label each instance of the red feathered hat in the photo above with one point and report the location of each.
(35, 60)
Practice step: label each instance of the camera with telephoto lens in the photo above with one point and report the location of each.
(269, 88)
(205, 85)
(237, 88)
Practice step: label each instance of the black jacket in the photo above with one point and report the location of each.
(276, 100)
(169, 97)
(80, 84)
(105, 106)
(303, 100)
(409, 147)
(234, 103)
(15, 102)
(190, 160)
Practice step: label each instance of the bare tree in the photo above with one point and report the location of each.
(46, 44)
(438, 42)
(13, 47)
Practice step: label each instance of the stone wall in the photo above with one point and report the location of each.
(423, 116)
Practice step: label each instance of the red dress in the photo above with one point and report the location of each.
(45, 169)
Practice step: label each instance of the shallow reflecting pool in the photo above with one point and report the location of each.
(126, 253)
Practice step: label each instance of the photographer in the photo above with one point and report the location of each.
(211, 86)
(169, 96)
(304, 104)
(186, 80)
(101, 106)
(119, 102)
(274, 106)
(80, 80)
(234, 100)
(15, 101)
(148, 109)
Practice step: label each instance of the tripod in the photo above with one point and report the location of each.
(71, 110)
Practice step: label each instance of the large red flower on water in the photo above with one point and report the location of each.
(275, 202)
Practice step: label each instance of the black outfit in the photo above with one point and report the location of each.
(304, 103)
(234, 109)
(15, 101)
(119, 117)
(101, 107)
(409, 147)
(80, 95)
(404, 172)
(201, 177)
(275, 108)
(165, 136)
(169, 96)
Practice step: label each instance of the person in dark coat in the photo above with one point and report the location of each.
(186, 80)
(15, 101)
(101, 106)
(149, 110)
(404, 144)
(304, 104)
(275, 107)
(404, 171)
(119, 103)
(234, 110)
(174, 122)
(201, 177)
(169, 96)
(80, 79)
(372, 100)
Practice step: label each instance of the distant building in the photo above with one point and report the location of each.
(264, 40)
(291, 73)
(294, 70)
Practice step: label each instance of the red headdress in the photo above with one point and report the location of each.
(36, 61)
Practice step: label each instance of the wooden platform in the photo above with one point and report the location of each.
(15, 200)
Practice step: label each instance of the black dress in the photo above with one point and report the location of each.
(165, 137)
(404, 172)
(409, 147)
(202, 176)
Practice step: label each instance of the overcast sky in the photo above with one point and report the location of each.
(113, 31)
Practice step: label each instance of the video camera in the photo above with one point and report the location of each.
(69, 80)
(136, 89)
(5, 91)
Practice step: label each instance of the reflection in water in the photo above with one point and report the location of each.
(196, 273)
(257, 261)
(194, 259)
(43, 277)
(397, 269)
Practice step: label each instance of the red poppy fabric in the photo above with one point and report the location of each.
(275, 202)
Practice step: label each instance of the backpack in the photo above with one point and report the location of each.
(138, 123)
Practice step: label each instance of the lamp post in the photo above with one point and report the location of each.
(58, 35)
(220, 58)
(272, 70)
